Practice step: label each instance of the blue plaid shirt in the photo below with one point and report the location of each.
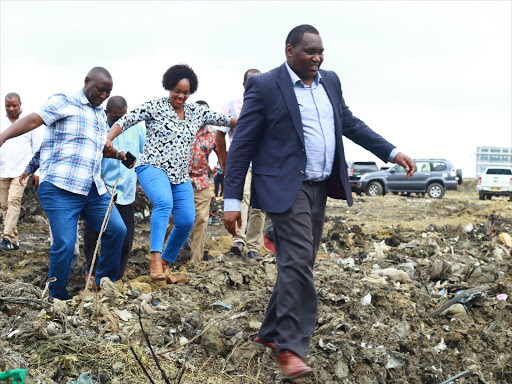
(72, 148)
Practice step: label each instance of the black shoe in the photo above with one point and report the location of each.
(254, 255)
(6, 245)
(237, 248)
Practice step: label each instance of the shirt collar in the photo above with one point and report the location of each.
(295, 78)
(84, 100)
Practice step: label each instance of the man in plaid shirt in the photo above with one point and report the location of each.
(70, 175)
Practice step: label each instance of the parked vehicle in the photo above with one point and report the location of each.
(358, 168)
(432, 176)
(495, 181)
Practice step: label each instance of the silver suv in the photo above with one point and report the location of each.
(432, 176)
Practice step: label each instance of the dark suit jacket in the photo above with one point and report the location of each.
(269, 132)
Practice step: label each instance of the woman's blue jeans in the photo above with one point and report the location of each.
(167, 198)
(63, 209)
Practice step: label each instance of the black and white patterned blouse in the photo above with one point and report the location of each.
(169, 140)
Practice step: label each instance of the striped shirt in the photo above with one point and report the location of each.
(72, 148)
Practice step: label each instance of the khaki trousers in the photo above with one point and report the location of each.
(251, 234)
(202, 199)
(11, 192)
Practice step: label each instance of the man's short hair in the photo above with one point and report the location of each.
(178, 72)
(99, 71)
(116, 102)
(202, 102)
(296, 34)
(13, 95)
(246, 74)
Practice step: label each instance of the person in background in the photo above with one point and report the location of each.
(70, 175)
(291, 128)
(162, 169)
(199, 172)
(13, 157)
(253, 219)
(132, 141)
(219, 180)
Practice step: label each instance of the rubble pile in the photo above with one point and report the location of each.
(411, 290)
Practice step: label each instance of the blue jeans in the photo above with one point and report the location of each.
(167, 198)
(63, 209)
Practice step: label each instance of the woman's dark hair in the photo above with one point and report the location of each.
(178, 72)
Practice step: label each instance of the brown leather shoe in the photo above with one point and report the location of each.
(156, 272)
(293, 366)
(260, 343)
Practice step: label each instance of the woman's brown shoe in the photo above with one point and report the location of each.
(155, 270)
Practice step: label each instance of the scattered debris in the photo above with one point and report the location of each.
(407, 290)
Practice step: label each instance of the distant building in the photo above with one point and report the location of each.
(489, 156)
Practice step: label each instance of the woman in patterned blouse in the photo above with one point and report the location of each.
(162, 169)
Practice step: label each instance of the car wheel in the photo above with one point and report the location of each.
(481, 195)
(435, 191)
(459, 175)
(374, 189)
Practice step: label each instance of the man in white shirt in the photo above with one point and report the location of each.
(14, 156)
(253, 219)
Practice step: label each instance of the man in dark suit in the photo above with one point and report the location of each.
(291, 127)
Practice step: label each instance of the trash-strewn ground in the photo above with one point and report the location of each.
(387, 275)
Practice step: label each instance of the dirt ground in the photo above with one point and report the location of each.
(410, 290)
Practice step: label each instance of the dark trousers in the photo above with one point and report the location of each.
(219, 184)
(91, 237)
(291, 313)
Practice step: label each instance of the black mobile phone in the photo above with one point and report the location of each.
(130, 159)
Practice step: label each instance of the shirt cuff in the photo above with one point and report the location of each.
(392, 155)
(223, 129)
(231, 205)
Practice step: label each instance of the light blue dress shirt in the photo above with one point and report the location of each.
(130, 140)
(318, 124)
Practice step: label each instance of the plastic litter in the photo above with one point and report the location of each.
(468, 297)
(326, 346)
(84, 378)
(506, 239)
(453, 378)
(392, 274)
(469, 228)
(380, 248)
(456, 310)
(16, 376)
(219, 304)
(395, 361)
(440, 347)
(367, 300)
(502, 297)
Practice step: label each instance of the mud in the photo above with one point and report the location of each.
(387, 274)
